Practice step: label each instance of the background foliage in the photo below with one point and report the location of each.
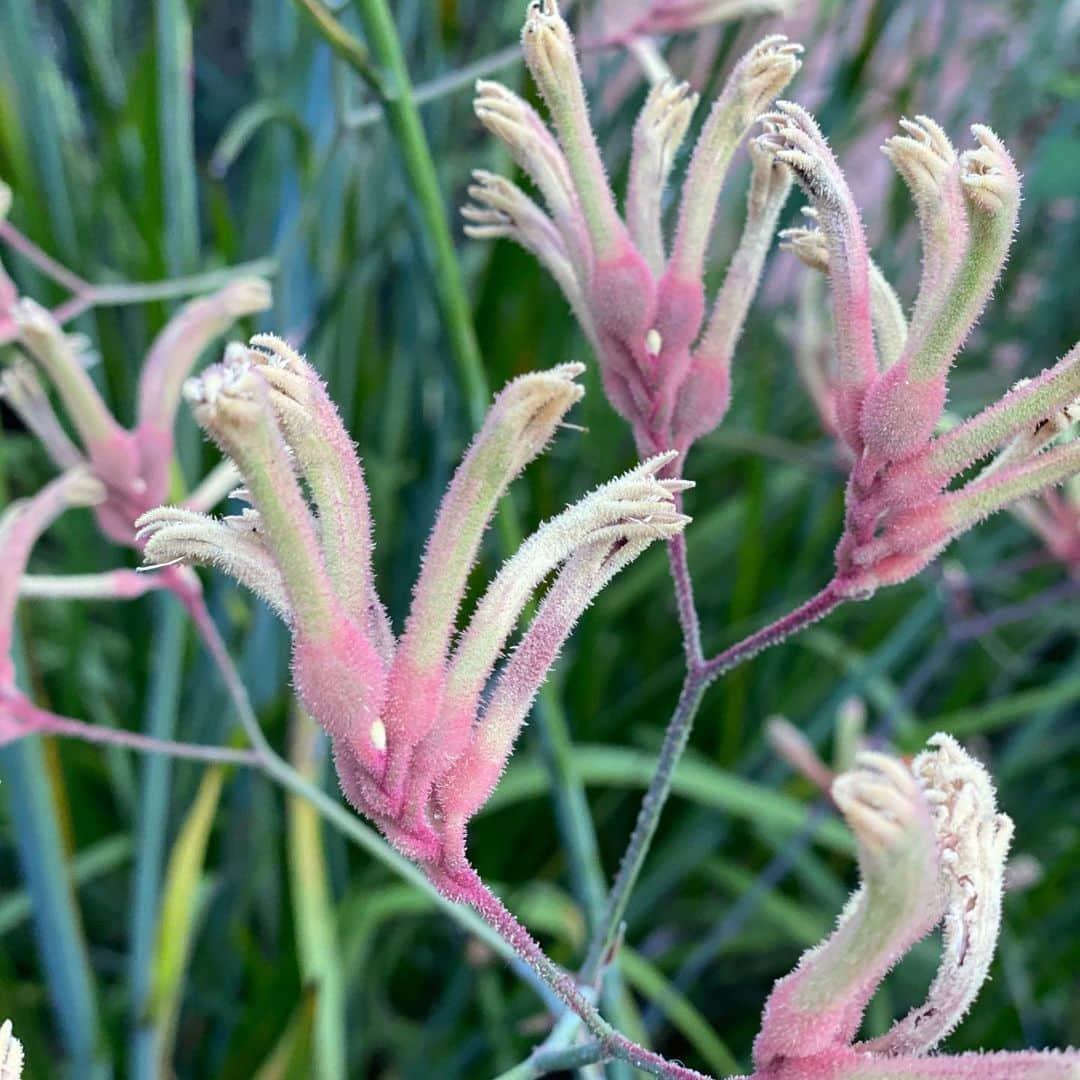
(125, 175)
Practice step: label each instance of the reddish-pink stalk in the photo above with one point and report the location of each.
(38, 721)
(699, 675)
(467, 887)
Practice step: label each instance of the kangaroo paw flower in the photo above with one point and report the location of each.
(932, 848)
(901, 511)
(415, 748)
(820, 1004)
(641, 308)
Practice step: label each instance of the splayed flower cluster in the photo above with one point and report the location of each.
(118, 472)
(932, 848)
(642, 307)
(418, 747)
(886, 398)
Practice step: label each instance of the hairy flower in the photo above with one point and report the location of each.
(886, 395)
(119, 472)
(421, 723)
(932, 848)
(665, 366)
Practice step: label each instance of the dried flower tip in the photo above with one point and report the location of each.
(988, 174)
(1036, 438)
(808, 246)
(11, 1050)
(1022, 412)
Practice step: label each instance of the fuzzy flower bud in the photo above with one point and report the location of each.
(973, 841)
(170, 360)
(112, 450)
(820, 1004)
(21, 524)
(23, 392)
(794, 138)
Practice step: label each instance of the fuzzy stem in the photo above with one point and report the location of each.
(492, 910)
(43, 722)
(86, 295)
(49, 266)
(195, 605)
(684, 598)
(700, 674)
(817, 607)
(652, 805)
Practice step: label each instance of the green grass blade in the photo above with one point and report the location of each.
(58, 928)
(696, 780)
(313, 911)
(150, 831)
(183, 899)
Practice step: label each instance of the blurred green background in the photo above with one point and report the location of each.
(148, 140)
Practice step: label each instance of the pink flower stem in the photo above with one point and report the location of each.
(684, 598)
(699, 675)
(817, 607)
(41, 259)
(43, 722)
(469, 889)
(190, 595)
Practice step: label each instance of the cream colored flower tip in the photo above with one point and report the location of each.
(11, 1054)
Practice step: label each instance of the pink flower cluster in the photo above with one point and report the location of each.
(666, 369)
(418, 743)
(118, 472)
(885, 397)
